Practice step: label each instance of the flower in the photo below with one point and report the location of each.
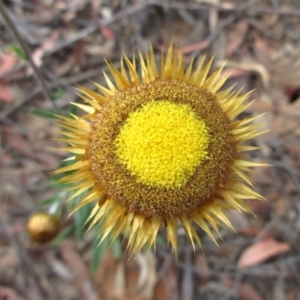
(43, 227)
(158, 149)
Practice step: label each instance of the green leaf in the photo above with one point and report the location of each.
(19, 51)
(48, 114)
(117, 248)
(67, 231)
(73, 110)
(98, 252)
(160, 241)
(55, 184)
(57, 94)
(49, 200)
(80, 219)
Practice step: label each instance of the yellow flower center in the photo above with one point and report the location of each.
(162, 143)
(187, 156)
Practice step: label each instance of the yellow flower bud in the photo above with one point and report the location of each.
(43, 227)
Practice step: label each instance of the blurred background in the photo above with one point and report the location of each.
(68, 42)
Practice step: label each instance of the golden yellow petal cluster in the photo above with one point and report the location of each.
(159, 148)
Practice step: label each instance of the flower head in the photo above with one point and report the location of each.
(43, 227)
(159, 149)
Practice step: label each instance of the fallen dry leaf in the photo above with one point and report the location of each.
(236, 37)
(5, 93)
(244, 290)
(81, 274)
(187, 49)
(47, 45)
(8, 264)
(263, 51)
(252, 67)
(165, 287)
(7, 62)
(8, 294)
(78, 53)
(107, 33)
(140, 277)
(15, 140)
(106, 275)
(250, 231)
(261, 251)
(202, 266)
(147, 276)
